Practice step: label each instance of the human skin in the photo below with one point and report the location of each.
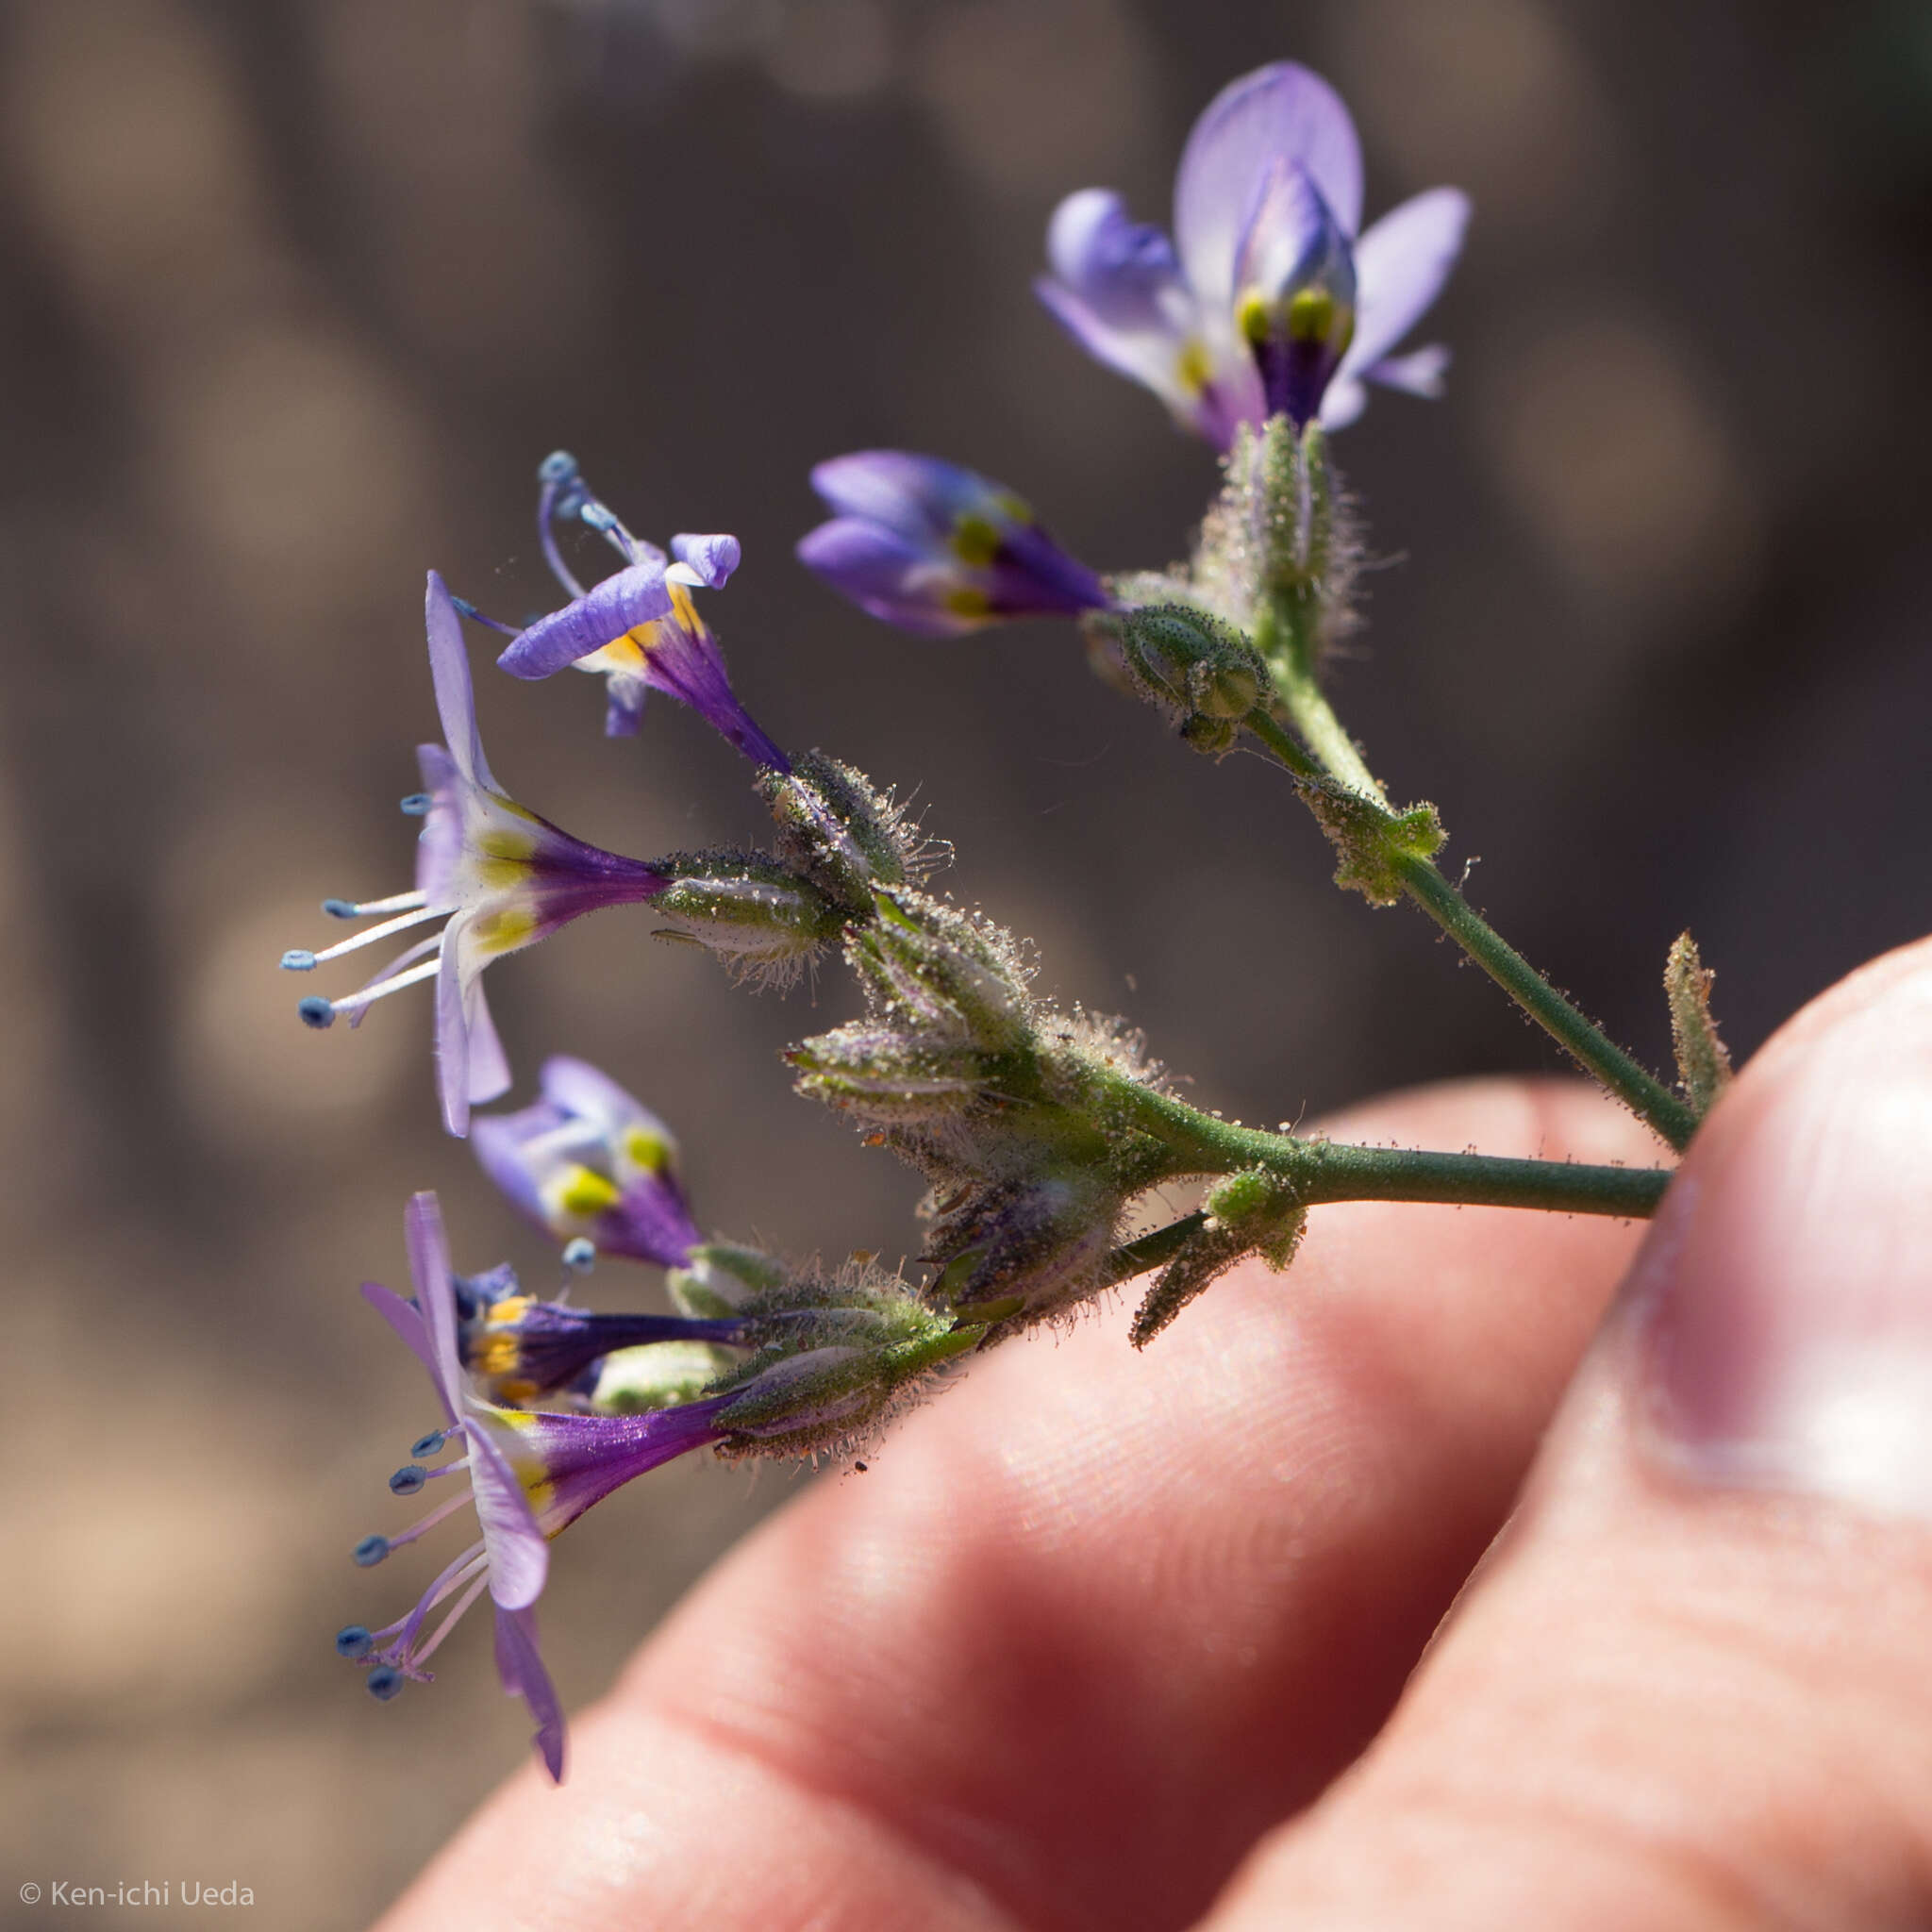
(1107, 1639)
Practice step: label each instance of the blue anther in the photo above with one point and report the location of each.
(427, 1446)
(409, 1479)
(317, 1013)
(298, 960)
(354, 1641)
(384, 1680)
(370, 1551)
(560, 466)
(580, 1254)
(416, 806)
(597, 517)
(342, 909)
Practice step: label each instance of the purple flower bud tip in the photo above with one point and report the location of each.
(937, 549)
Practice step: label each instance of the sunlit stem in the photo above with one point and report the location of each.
(1284, 639)
(1321, 1170)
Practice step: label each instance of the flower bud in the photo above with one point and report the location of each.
(879, 1075)
(747, 907)
(1193, 665)
(839, 831)
(1044, 1237)
(943, 973)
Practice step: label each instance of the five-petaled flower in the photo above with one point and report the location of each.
(937, 549)
(1267, 299)
(638, 629)
(499, 877)
(590, 1162)
(530, 1475)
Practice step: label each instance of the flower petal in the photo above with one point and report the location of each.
(918, 496)
(449, 669)
(489, 1072)
(1280, 111)
(1418, 374)
(712, 557)
(578, 1088)
(1342, 401)
(633, 597)
(520, 1667)
(408, 1324)
(519, 1557)
(1400, 266)
(436, 1297)
(453, 1034)
(885, 573)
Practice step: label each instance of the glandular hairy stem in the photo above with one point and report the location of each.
(1323, 1170)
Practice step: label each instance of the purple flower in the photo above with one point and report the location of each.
(529, 1476)
(1267, 299)
(937, 549)
(516, 1348)
(638, 629)
(499, 877)
(590, 1162)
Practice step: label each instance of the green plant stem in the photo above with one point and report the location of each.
(1645, 1095)
(1320, 1171)
(1282, 637)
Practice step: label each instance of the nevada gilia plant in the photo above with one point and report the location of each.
(1261, 322)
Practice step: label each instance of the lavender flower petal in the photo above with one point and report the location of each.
(1281, 111)
(520, 1667)
(1401, 264)
(620, 604)
(710, 558)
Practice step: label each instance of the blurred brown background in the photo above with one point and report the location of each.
(292, 299)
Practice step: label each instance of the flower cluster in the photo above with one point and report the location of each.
(1037, 1131)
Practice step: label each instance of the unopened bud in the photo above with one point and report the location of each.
(1195, 666)
(840, 830)
(1044, 1239)
(878, 1074)
(747, 907)
(944, 973)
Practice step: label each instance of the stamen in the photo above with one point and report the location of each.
(408, 1479)
(371, 1551)
(296, 960)
(368, 909)
(384, 1681)
(580, 1256)
(425, 1446)
(415, 805)
(465, 609)
(355, 1002)
(450, 1622)
(317, 1012)
(402, 923)
(420, 1528)
(355, 1640)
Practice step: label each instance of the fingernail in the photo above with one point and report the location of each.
(1784, 1301)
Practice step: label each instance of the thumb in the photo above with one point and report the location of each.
(1692, 1687)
